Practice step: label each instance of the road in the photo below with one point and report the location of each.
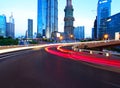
(35, 68)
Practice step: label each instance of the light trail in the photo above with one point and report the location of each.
(24, 48)
(80, 57)
(48, 49)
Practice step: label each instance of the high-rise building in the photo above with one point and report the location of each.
(41, 17)
(10, 27)
(103, 11)
(47, 18)
(3, 25)
(79, 32)
(94, 30)
(30, 28)
(68, 19)
(110, 26)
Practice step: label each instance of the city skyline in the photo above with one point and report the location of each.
(22, 10)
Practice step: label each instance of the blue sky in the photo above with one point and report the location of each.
(84, 13)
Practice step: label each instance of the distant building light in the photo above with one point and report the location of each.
(108, 20)
(58, 34)
(103, 1)
(117, 35)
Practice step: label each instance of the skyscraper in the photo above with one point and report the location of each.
(30, 28)
(110, 25)
(3, 25)
(103, 11)
(68, 20)
(41, 17)
(10, 27)
(94, 30)
(47, 17)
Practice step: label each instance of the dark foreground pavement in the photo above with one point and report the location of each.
(39, 69)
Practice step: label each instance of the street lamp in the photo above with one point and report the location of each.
(61, 38)
(71, 36)
(106, 36)
(105, 24)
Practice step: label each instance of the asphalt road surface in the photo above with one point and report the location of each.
(39, 69)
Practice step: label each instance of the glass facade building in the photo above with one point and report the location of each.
(47, 18)
(10, 28)
(110, 26)
(30, 28)
(94, 30)
(3, 25)
(79, 32)
(103, 11)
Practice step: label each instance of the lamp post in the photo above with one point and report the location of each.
(106, 36)
(71, 36)
(61, 38)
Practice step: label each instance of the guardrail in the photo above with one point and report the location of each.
(104, 53)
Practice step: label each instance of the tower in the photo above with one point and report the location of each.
(103, 11)
(68, 19)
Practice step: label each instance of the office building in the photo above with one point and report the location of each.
(94, 30)
(30, 28)
(103, 11)
(68, 19)
(110, 26)
(3, 25)
(47, 17)
(10, 27)
(93, 33)
(79, 32)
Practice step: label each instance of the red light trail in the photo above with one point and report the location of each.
(80, 56)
